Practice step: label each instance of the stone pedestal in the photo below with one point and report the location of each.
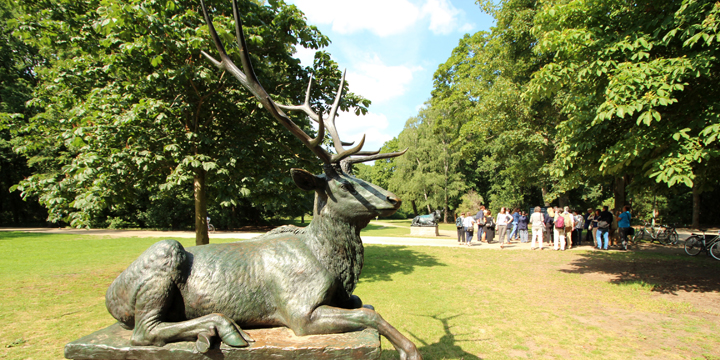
(113, 343)
(424, 231)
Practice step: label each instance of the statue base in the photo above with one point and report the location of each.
(424, 231)
(113, 343)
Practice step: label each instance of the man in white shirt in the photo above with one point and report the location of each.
(468, 224)
(537, 221)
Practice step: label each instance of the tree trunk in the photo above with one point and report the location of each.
(201, 230)
(544, 196)
(619, 193)
(428, 204)
(414, 206)
(696, 204)
(564, 200)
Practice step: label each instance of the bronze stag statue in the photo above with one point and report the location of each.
(301, 278)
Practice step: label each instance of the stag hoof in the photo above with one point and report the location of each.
(232, 335)
(368, 306)
(203, 343)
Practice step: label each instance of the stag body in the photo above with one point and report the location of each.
(299, 278)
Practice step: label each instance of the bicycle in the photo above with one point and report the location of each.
(673, 234)
(659, 233)
(211, 228)
(697, 243)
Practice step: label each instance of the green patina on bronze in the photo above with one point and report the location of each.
(302, 279)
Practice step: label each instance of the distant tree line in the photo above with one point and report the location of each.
(579, 103)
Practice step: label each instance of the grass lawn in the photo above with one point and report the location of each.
(454, 303)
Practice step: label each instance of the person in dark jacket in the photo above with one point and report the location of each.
(480, 219)
(549, 223)
(586, 226)
(606, 219)
(460, 228)
(523, 221)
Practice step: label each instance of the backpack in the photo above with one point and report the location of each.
(560, 222)
(490, 223)
(459, 222)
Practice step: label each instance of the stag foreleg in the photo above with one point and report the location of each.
(328, 320)
(202, 330)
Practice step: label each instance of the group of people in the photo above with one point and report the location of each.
(561, 226)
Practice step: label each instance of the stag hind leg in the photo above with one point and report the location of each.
(143, 295)
(327, 320)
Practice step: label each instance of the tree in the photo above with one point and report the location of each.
(17, 81)
(505, 141)
(132, 110)
(636, 80)
(427, 173)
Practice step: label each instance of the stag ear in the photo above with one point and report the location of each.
(307, 181)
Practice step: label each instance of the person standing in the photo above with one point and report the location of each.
(489, 227)
(577, 231)
(569, 226)
(559, 240)
(537, 220)
(624, 225)
(502, 223)
(614, 229)
(468, 224)
(550, 225)
(460, 225)
(604, 222)
(587, 224)
(480, 219)
(522, 227)
(596, 218)
(515, 218)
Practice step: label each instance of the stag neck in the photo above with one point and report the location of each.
(336, 243)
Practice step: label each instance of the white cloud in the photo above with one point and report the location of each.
(468, 27)
(443, 16)
(379, 82)
(375, 127)
(382, 17)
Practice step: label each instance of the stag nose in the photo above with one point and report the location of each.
(395, 201)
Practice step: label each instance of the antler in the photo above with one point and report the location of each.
(250, 81)
(347, 163)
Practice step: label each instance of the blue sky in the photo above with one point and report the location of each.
(391, 49)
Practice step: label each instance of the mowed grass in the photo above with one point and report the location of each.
(454, 303)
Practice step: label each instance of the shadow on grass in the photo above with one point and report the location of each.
(381, 262)
(447, 347)
(15, 235)
(664, 274)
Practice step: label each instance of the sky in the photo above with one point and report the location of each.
(391, 49)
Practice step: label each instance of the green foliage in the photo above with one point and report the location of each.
(17, 81)
(471, 202)
(427, 174)
(133, 114)
(636, 81)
